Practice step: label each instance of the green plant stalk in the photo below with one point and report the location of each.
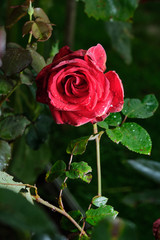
(63, 212)
(95, 130)
(30, 12)
(9, 94)
(47, 204)
(66, 178)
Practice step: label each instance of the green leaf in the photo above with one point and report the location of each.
(103, 124)
(19, 213)
(7, 182)
(118, 229)
(99, 201)
(150, 169)
(120, 35)
(111, 9)
(5, 86)
(5, 154)
(17, 13)
(133, 136)
(57, 170)
(38, 61)
(114, 119)
(134, 108)
(41, 30)
(39, 13)
(66, 224)
(15, 60)
(93, 216)
(39, 131)
(80, 170)
(115, 134)
(77, 146)
(26, 77)
(12, 127)
(8, 179)
(146, 197)
(27, 164)
(27, 27)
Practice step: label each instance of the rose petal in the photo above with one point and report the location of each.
(62, 52)
(64, 117)
(66, 54)
(116, 89)
(97, 56)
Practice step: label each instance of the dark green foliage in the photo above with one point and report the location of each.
(80, 170)
(67, 225)
(17, 212)
(12, 127)
(57, 170)
(5, 154)
(77, 146)
(110, 9)
(93, 216)
(134, 108)
(119, 229)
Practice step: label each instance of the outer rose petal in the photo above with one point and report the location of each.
(71, 118)
(117, 91)
(62, 52)
(66, 54)
(97, 56)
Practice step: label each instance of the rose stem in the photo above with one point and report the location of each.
(47, 204)
(61, 191)
(30, 12)
(9, 94)
(63, 212)
(95, 129)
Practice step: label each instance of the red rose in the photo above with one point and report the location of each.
(156, 229)
(76, 88)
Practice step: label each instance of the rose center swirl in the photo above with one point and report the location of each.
(75, 85)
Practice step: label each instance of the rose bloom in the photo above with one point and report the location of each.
(76, 88)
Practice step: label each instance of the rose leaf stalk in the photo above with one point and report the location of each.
(38, 199)
(95, 129)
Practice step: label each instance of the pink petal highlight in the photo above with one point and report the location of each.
(97, 56)
(116, 89)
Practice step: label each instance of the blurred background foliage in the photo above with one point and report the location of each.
(133, 51)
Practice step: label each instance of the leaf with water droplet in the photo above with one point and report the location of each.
(93, 216)
(114, 119)
(99, 201)
(134, 108)
(133, 136)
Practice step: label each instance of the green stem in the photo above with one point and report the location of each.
(9, 94)
(95, 129)
(30, 12)
(61, 211)
(66, 178)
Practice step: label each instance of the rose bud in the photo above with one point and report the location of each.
(156, 229)
(76, 88)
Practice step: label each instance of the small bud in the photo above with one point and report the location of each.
(30, 10)
(156, 229)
